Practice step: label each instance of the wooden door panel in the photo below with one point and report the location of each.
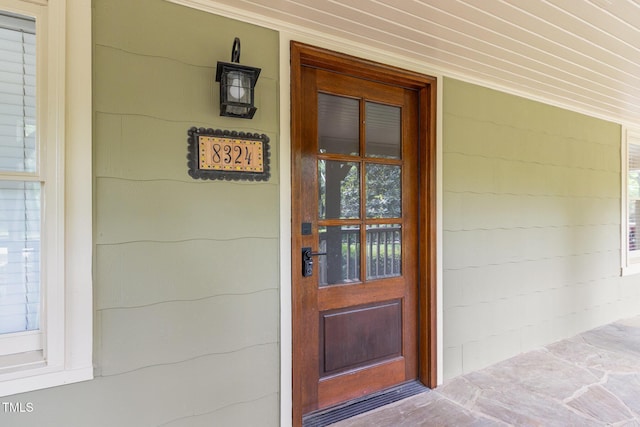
(357, 336)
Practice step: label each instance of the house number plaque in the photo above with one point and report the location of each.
(230, 155)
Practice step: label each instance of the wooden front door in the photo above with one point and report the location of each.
(359, 229)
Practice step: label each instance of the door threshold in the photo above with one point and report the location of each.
(325, 417)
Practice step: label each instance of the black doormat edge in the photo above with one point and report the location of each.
(363, 404)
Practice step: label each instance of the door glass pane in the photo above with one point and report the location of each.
(383, 131)
(384, 251)
(338, 189)
(19, 256)
(338, 124)
(383, 191)
(342, 262)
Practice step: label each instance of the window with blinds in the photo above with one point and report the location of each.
(633, 195)
(20, 181)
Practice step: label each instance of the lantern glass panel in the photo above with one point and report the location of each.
(238, 87)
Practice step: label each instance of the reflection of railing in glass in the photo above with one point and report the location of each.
(342, 262)
(383, 254)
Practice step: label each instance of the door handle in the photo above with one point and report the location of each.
(307, 261)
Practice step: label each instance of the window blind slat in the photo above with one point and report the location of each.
(17, 94)
(20, 257)
(633, 196)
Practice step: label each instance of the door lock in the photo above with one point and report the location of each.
(307, 261)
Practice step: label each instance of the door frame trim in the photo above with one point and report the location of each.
(427, 87)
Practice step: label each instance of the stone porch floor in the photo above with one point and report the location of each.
(592, 379)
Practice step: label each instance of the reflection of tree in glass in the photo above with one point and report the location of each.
(339, 195)
(383, 191)
(339, 189)
(350, 192)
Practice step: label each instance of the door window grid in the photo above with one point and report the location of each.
(365, 201)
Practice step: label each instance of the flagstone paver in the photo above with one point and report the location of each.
(592, 379)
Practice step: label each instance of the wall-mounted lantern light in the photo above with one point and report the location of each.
(236, 85)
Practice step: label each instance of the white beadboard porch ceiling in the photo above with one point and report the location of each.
(579, 54)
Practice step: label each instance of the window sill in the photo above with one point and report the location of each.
(37, 376)
(12, 363)
(630, 269)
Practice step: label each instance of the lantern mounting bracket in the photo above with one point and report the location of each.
(235, 51)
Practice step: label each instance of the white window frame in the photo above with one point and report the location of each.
(64, 125)
(630, 259)
(31, 340)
